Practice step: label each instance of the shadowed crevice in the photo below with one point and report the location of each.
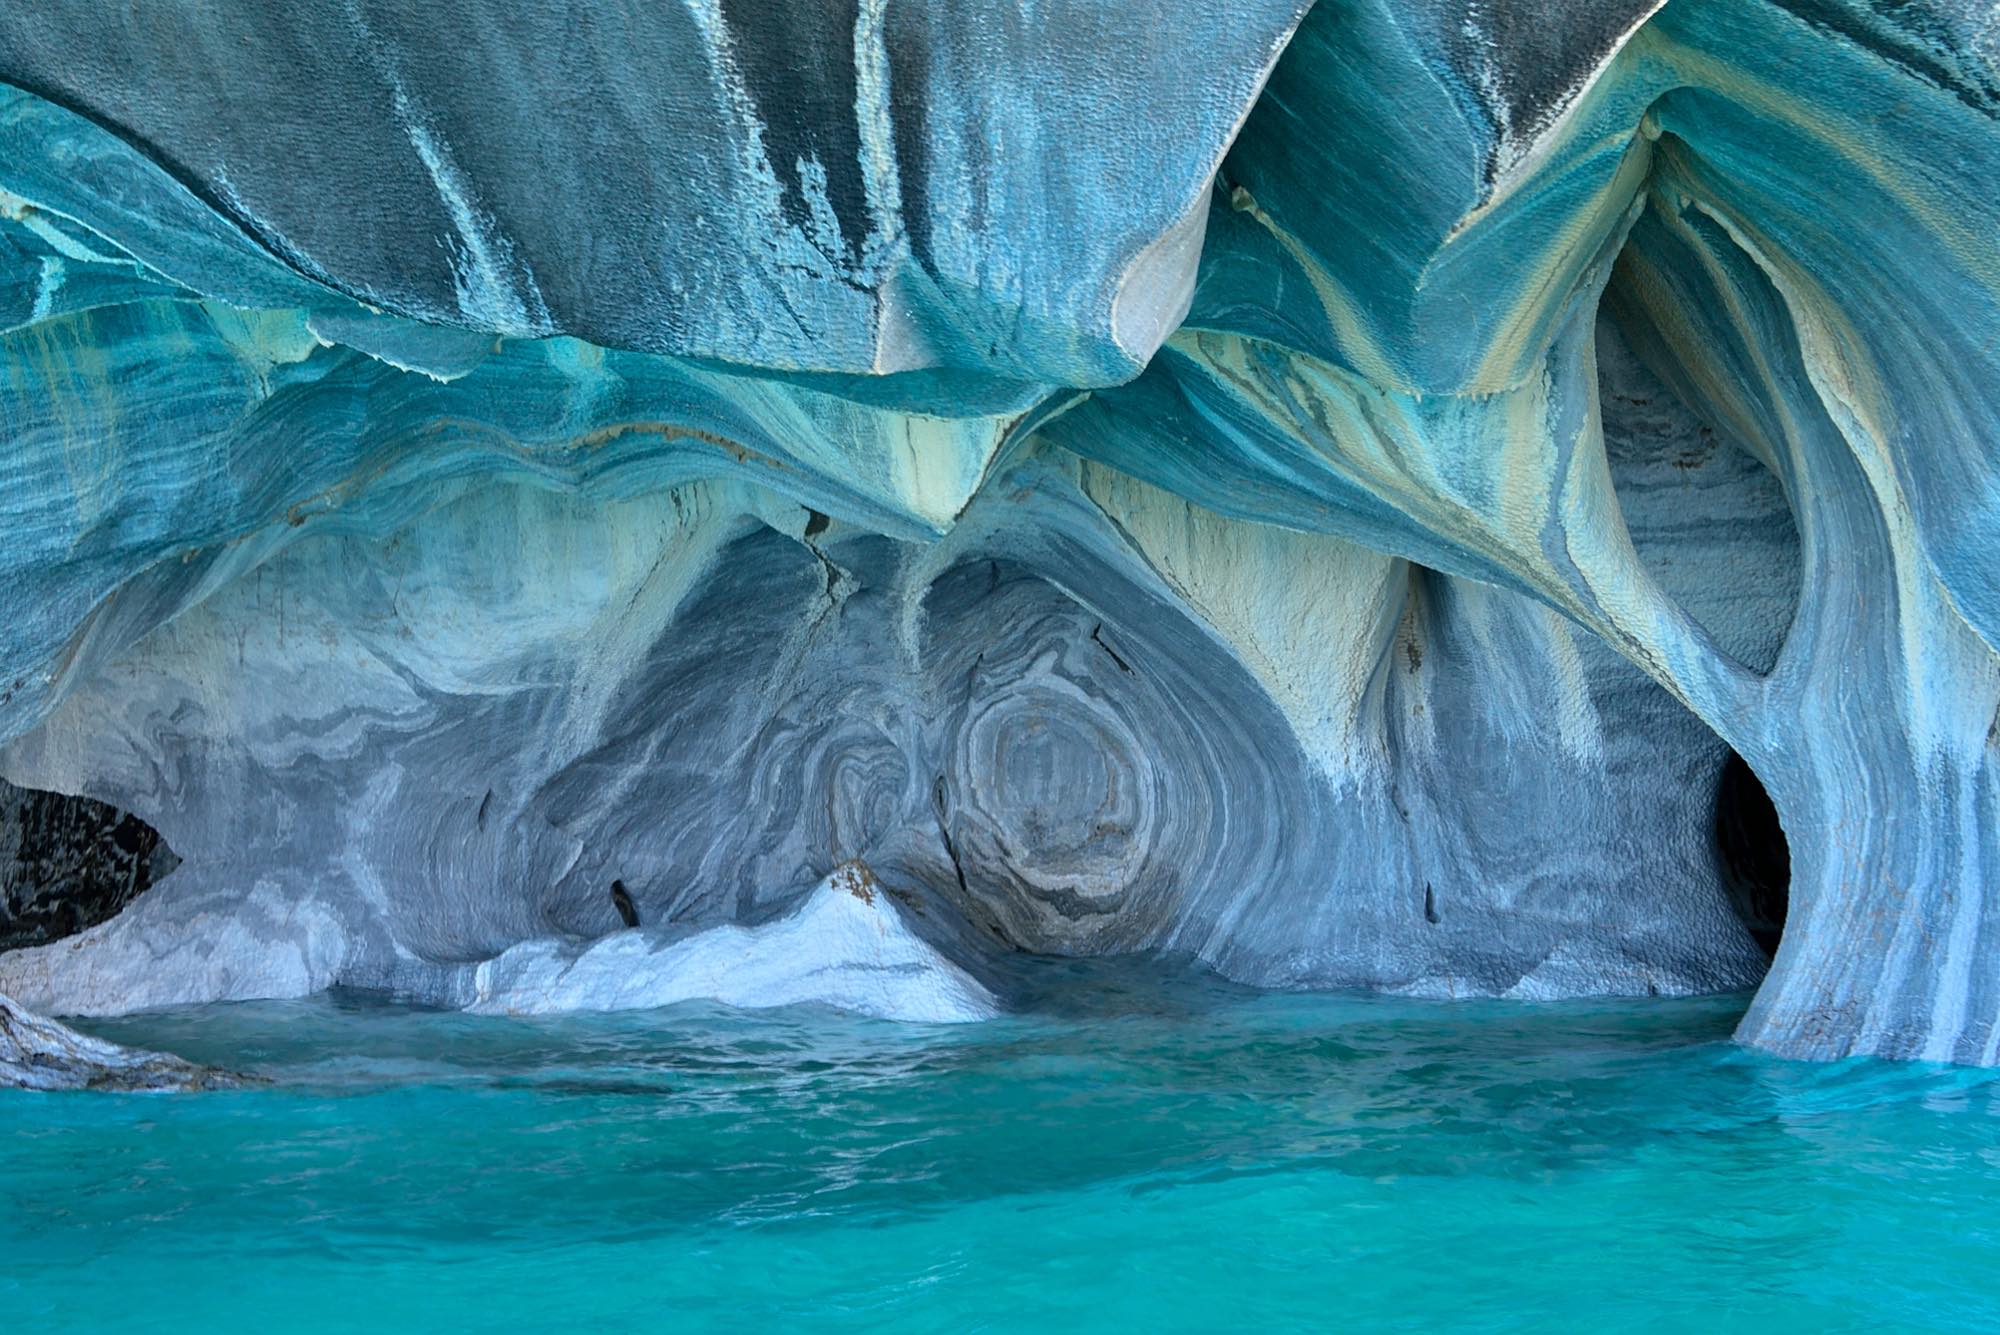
(1751, 850)
(69, 863)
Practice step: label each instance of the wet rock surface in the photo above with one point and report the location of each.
(37, 1053)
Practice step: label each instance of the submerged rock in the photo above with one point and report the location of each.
(37, 1053)
(846, 947)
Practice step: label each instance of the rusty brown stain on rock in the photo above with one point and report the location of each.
(743, 454)
(856, 879)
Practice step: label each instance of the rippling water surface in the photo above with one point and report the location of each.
(1163, 1155)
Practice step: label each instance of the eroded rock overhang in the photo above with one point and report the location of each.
(1326, 497)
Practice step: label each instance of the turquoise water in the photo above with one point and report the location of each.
(1159, 1157)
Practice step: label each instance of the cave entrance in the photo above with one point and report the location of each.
(69, 863)
(1750, 846)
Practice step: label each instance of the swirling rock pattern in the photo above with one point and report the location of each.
(1031, 730)
(1322, 493)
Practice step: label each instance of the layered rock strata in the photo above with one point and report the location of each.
(1323, 493)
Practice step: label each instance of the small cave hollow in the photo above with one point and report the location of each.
(70, 863)
(1750, 846)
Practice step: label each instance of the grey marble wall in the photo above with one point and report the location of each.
(1319, 492)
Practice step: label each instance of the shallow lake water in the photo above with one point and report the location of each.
(1131, 1153)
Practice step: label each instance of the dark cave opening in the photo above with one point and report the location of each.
(70, 863)
(1751, 850)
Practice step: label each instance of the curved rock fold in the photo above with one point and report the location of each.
(1321, 493)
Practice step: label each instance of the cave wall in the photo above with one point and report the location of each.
(1093, 719)
(1323, 492)
(68, 863)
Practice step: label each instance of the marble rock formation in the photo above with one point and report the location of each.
(514, 497)
(37, 1053)
(859, 957)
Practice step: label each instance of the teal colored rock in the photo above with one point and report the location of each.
(1323, 493)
